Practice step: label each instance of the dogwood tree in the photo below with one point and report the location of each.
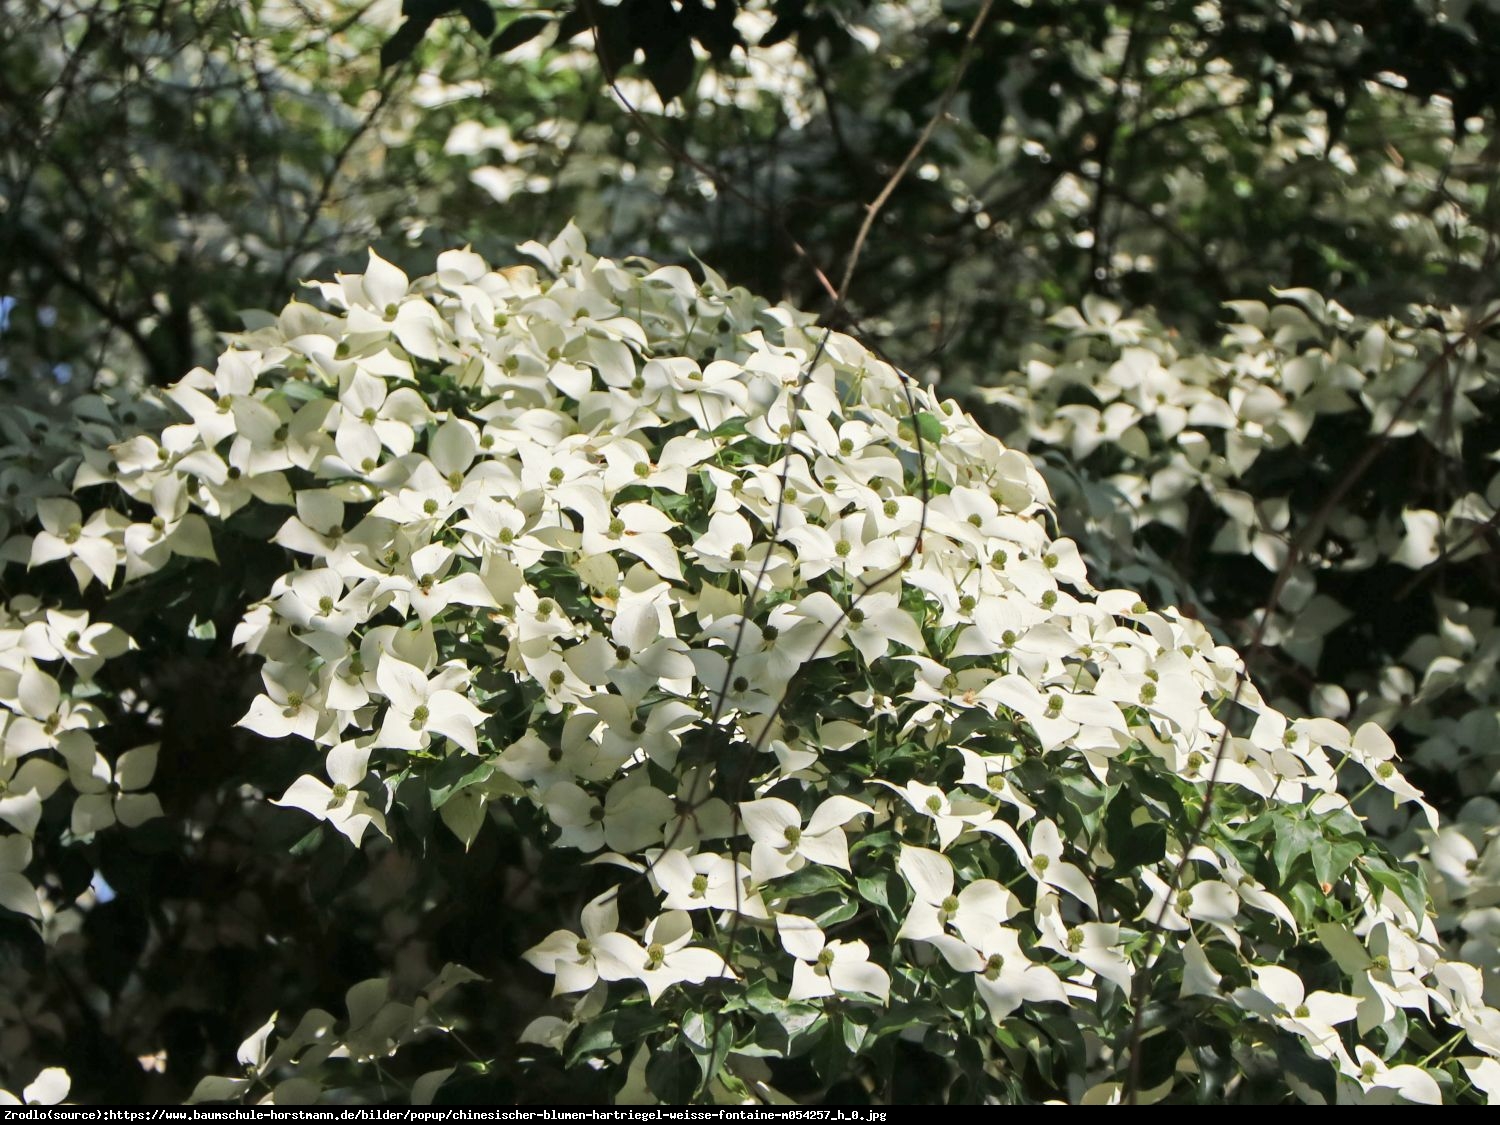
(835, 757)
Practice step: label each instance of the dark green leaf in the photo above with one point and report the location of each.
(403, 41)
(671, 1073)
(480, 15)
(670, 66)
(517, 33)
(309, 843)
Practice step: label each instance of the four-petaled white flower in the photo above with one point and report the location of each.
(341, 805)
(825, 968)
(662, 958)
(107, 796)
(782, 844)
(420, 707)
(574, 960)
(975, 911)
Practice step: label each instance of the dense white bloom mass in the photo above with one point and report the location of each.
(739, 611)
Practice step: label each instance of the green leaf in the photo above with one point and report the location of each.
(518, 32)
(309, 843)
(612, 1030)
(1403, 881)
(671, 1073)
(403, 41)
(480, 15)
(732, 427)
(670, 67)
(454, 774)
(810, 880)
(1134, 846)
(793, 1030)
(1293, 839)
(709, 1038)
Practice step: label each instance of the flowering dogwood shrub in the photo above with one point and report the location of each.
(862, 773)
(1207, 453)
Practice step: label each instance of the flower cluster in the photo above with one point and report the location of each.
(795, 656)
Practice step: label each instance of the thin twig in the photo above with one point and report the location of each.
(873, 210)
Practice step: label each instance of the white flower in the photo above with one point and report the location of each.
(824, 967)
(952, 816)
(1004, 976)
(706, 881)
(573, 960)
(1410, 1082)
(1279, 995)
(108, 795)
(665, 959)
(341, 805)
(25, 784)
(781, 843)
(49, 1087)
(975, 911)
(89, 545)
(420, 707)
(16, 891)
